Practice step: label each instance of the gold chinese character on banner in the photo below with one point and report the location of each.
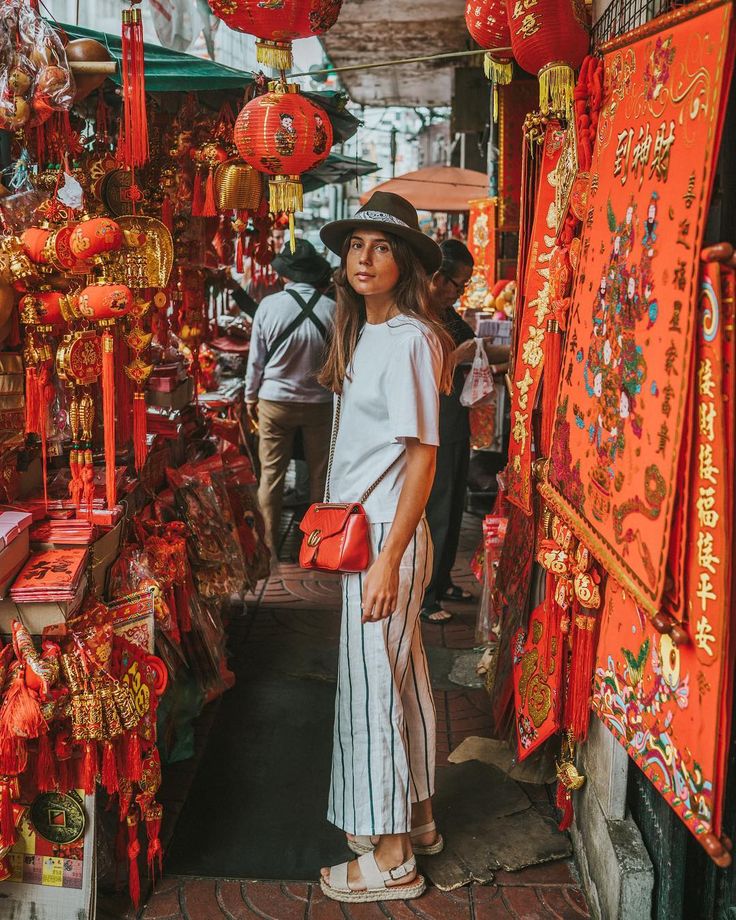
(642, 150)
(663, 142)
(623, 149)
(706, 418)
(531, 352)
(705, 379)
(705, 552)
(704, 635)
(707, 515)
(523, 387)
(706, 468)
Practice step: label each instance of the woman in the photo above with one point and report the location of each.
(387, 363)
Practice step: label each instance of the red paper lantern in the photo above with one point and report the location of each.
(283, 134)
(91, 238)
(488, 25)
(276, 23)
(550, 38)
(103, 302)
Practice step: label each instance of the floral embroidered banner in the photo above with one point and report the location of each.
(621, 405)
(533, 314)
(669, 704)
(482, 245)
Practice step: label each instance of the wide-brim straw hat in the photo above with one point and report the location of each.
(391, 214)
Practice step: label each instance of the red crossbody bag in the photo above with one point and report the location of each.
(337, 536)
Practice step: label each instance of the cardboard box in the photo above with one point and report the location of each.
(36, 617)
(177, 399)
(12, 523)
(12, 559)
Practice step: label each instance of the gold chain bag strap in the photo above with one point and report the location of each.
(336, 536)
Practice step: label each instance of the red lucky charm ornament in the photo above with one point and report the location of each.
(133, 140)
(275, 23)
(284, 135)
(489, 28)
(550, 38)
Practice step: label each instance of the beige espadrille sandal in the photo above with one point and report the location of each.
(361, 843)
(376, 882)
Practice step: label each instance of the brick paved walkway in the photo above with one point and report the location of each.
(536, 893)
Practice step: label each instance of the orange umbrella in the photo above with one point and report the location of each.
(436, 188)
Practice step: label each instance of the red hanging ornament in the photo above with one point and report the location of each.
(154, 814)
(134, 849)
(551, 40)
(275, 23)
(133, 144)
(283, 134)
(489, 28)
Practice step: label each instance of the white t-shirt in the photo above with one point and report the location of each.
(393, 394)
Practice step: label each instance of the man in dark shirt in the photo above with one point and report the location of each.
(447, 499)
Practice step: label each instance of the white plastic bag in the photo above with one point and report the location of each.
(479, 382)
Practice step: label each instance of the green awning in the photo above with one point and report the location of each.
(175, 72)
(169, 71)
(335, 170)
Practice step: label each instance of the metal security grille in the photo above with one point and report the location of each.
(623, 15)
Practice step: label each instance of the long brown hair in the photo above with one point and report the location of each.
(411, 297)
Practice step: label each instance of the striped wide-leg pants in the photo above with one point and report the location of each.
(384, 742)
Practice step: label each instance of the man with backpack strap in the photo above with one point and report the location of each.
(288, 340)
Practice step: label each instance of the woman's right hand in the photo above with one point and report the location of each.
(380, 590)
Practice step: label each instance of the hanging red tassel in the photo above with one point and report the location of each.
(63, 750)
(135, 119)
(582, 661)
(197, 195)
(32, 397)
(7, 818)
(133, 757)
(564, 803)
(75, 483)
(89, 767)
(154, 814)
(134, 849)
(552, 370)
(123, 394)
(209, 208)
(46, 772)
(88, 480)
(239, 256)
(139, 430)
(167, 214)
(109, 768)
(108, 403)
(20, 717)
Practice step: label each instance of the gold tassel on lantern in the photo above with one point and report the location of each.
(557, 88)
(500, 74)
(276, 55)
(285, 194)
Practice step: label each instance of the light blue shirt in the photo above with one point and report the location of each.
(291, 374)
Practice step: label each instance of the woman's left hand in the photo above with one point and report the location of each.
(380, 590)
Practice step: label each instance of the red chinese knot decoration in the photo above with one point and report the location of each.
(276, 23)
(284, 135)
(550, 38)
(488, 25)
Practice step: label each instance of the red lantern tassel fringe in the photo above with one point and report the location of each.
(124, 429)
(133, 757)
(88, 480)
(134, 849)
(582, 661)
(197, 195)
(139, 430)
(109, 768)
(209, 209)
(108, 403)
(89, 767)
(154, 814)
(46, 772)
(135, 138)
(7, 818)
(32, 399)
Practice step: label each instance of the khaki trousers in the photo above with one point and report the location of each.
(278, 423)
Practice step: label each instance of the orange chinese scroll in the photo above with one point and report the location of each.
(533, 317)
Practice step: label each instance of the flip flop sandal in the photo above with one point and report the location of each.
(456, 593)
(361, 843)
(430, 616)
(375, 880)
